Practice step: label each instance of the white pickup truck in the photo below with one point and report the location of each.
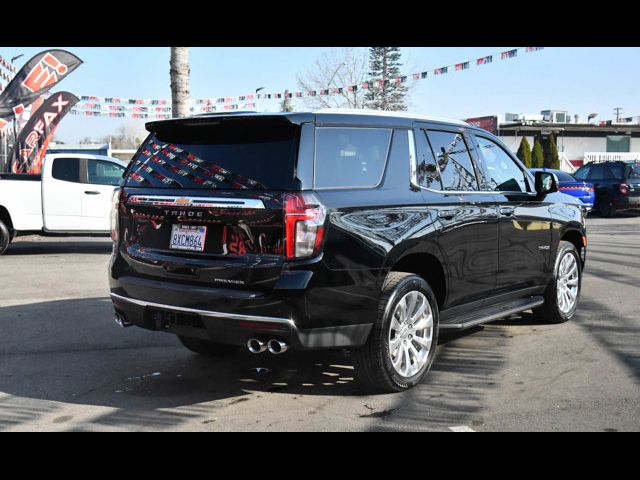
(72, 196)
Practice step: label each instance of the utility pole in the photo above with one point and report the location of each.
(618, 110)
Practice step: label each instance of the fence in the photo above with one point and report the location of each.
(610, 156)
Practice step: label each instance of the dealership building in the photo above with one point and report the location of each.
(578, 142)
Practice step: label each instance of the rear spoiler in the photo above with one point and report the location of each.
(217, 118)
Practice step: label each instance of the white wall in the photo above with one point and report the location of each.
(573, 147)
(514, 142)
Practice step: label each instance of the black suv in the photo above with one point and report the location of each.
(337, 229)
(617, 185)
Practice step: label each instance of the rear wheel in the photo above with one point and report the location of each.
(605, 207)
(561, 296)
(402, 344)
(205, 347)
(5, 237)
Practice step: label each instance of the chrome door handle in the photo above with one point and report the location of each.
(91, 192)
(447, 214)
(506, 211)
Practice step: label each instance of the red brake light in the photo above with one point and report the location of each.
(624, 189)
(304, 218)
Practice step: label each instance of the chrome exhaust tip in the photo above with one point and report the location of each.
(256, 346)
(121, 321)
(277, 346)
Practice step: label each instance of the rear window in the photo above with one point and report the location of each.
(66, 169)
(562, 176)
(222, 154)
(632, 170)
(350, 156)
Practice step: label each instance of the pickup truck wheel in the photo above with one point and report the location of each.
(205, 347)
(561, 296)
(402, 343)
(5, 238)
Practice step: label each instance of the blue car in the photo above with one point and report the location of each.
(584, 191)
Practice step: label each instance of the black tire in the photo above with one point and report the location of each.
(606, 208)
(550, 310)
(5, 237)
(205, 347)
(372, 361)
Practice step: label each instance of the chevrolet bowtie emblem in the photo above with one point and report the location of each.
(182, 202)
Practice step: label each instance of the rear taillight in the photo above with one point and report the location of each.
(304, 218)
(115, 203)
(624, 188)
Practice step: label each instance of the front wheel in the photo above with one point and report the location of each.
(561, 296)
(205, 347)
(5, 237)
(402, 344)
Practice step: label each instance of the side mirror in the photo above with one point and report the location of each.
(546, 182)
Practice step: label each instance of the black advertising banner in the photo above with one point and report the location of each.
(33, 140)
(36, 77)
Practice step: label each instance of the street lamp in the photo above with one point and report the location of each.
(17, 57)
(257, 90)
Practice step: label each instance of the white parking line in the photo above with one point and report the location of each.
(462, 428)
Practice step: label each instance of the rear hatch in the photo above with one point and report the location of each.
(203, 201)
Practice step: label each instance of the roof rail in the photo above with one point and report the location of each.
(385, 113)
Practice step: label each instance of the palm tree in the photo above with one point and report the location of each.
(180, 81)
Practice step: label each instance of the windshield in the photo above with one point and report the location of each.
(257, 154)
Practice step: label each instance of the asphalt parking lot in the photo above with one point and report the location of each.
(64, 365)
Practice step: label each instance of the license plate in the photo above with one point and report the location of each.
(188, 237)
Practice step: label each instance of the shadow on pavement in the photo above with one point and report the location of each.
(24, 247)
(469, 365)
(617, 333)
(70, 351)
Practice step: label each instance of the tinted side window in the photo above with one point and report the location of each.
(66, 169)
(426, 170)
(597, 172)
(100, 172)
(608, 172)
(502, 173)
(454, 161)
(350, 157)
(617, 170)
(583, 173)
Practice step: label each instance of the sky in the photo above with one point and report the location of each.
(579, 80)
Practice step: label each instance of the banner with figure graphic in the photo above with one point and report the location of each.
(37, 76)
(33, 139)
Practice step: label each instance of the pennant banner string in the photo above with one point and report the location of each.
(107, 106)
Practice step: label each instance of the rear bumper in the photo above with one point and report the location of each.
(237, 316)
(627, 203)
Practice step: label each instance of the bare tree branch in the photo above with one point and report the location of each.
(338, 68)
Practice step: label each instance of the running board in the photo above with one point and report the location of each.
(491, 313)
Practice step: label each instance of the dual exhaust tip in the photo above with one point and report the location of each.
(274, 346)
